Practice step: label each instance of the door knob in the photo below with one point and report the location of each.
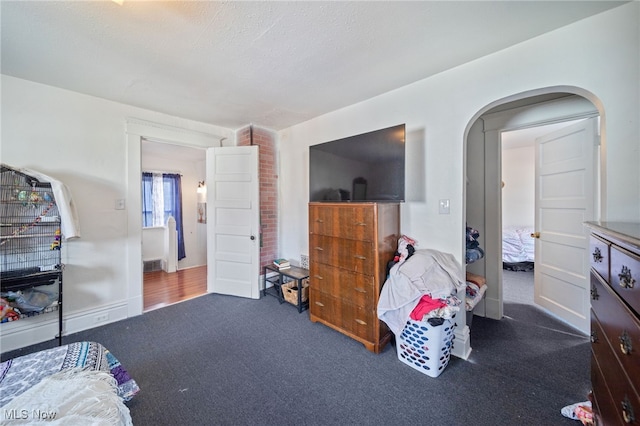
(253, 237)
(535, 235)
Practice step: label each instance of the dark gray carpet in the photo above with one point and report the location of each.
(231, 361)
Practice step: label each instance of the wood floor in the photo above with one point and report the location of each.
(163, 289)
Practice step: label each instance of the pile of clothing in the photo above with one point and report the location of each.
(8, 312)
(421, 287)
(473, 250)
(581, 411)
(476, 287)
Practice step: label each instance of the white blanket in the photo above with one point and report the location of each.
(517, 244)
(427, 272)
(70, 397)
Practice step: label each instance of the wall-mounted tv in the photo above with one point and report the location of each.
(365, 167)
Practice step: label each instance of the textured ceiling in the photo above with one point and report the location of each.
(273, 64)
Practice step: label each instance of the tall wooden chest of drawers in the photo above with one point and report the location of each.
(615, 322)
(350, 245)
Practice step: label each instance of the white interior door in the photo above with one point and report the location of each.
(233, 246)
(565, 199)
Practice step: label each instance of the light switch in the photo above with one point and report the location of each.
(120, 204)
(443, 206)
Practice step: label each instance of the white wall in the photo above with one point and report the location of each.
(153, 243)
(597, 58)
(81, 141)
(518, 193)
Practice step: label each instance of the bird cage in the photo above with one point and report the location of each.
(30, 239)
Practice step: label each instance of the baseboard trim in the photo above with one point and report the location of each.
(493, 308)
(38, 329)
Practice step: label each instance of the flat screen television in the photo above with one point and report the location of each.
(365, 167)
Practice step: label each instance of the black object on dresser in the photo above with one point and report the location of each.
(615, 322)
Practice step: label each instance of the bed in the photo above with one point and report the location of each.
(518, 248)
(78, 383)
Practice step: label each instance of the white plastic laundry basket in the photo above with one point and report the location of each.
(424, 347)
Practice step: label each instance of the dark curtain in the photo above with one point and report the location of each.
(147, 200)
(173, 205)
(172, 194)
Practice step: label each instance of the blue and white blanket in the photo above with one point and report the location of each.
(19, 374)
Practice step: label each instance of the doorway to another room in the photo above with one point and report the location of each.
(540, 215)
(170, 278)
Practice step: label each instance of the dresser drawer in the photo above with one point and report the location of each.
(350, 318)
(620, 327)
(606, 411)
(623, 399)
(599, 250)
(320, 304)
(358, 289)
(625, 276)
(357, 256)
(359, 321)
(356, 222)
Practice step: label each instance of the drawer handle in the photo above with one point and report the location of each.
(319, 303)
(594, 293)
(360, 289)
(318, 277)
(626, 280)
(597, 255)
(594, 336)
(360, 224)
(627, 411)
(625, 343)
(319, 220)
(358, 256)
(359, 321)
(318, 248)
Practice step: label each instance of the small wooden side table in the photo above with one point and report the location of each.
(277, 277)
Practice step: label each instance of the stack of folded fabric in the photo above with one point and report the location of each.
(476, 287)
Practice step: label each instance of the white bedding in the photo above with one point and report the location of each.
(518, 244)
(70, 397)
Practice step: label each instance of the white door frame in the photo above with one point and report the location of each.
(136, 131)
(563, 109)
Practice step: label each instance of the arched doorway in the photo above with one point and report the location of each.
(483, 176)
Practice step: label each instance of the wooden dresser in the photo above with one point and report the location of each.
(349, 247)
(615, 322)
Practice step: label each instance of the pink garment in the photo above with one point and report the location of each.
(426, 305)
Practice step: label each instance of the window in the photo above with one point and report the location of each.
(161, 198)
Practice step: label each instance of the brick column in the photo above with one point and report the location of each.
(268, 175)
